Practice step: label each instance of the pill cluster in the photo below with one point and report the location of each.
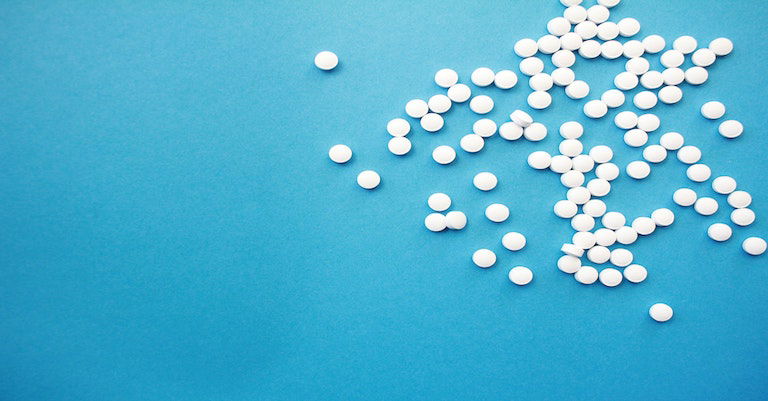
(601, 236)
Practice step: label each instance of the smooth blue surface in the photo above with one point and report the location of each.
(172, 229)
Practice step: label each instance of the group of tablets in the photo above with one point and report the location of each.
(577, 31)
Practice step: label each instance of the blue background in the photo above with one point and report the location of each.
(172, 229)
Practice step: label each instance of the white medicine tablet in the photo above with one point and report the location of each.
(563, 76)
(558, 26)
(539, 160)
(521, 118)
(432, 122)
(754, 246)
(497, 212)
(594, 208)
(326, 60)
(584, 239)
(459, 93)
(586, 30)
(510, 131)
(654, 44)
(599, 187)
(611, 49)
(481, 104)
(416, 108)
(703, 57)
(444, 154)
(648, 122)
(398, 127)
(645, 100)
(456, 220)
(689, 154)
(663, 217)
(670, 94)
(520, 275)
(637, 65)
(482, 76)
(572, 178)
(575, 14)
(626, 80)
(578, 195)
(672, 140)
(485, 181)
(629, 27)
(655, 153)
(643, 225)
(472, 143)
(598, 254)
(607, 171)
(531, 66)
(439, 103)
(613, 98)
(742, 217)
(684, 197)
(626, 235)
(598, 14)
(685, 44)
(535, 132)
(583, 163)
(608, 3)
(569, 264)
(571, 41)
(566, 209)
(590, 49)
(571, 147)
(635, 273)
(435, 222)
(719, 232)
(739, 199)
(608, 30)
(638, 169)
(621, 257)
(548, 44)
(712, 110)
(340, 153)
(724, 185)
(610, 277)
(582, 222)
(696, 75)
(513, 241)
(539, 100)
(699, 172)
(613, 220)
(721, 46)
(673, 76)
(439, 202)
(560, 164)
(605, 237)
(399, 145)
(577, 90)
(573, 250)
(652, 79)
(368, 179)
(505, 79)
(625, 120)
(705, 206)
(635, 138)
(571, 130)
(595, 108)
(586, 275)
(660, 312)
(730, 129)
(484, 258)
(526, 47)
(672, 59)
(484, 127)
(446, 78)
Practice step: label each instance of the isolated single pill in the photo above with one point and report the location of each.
(712, 110)
(340, 153)
(698, 172)
(459, 93)
(435, 222)
(456, 220)
(721, 46)
(505, 79)
(635, 273)
(326, 60)
(485, 181)
(660, 312)
(368, 179)
(484, 127)
(444, 154)
(586, 275)
(513, 241)
(706, 206)
(754, 246)
(484, 258)
(399, 145)
(569, 264)
(520, 275)
(719, 232)
(439, 201)
(432, 122)
(472, 143)
(595, 109)
(730, 129)
(446, 78)
(482, 76)
(742, 216)
(638, 169)
(610, 277)
(497, 213)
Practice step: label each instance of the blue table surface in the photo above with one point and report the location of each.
(171, 227)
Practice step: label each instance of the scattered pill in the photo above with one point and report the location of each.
(672, 59)
(484, 258)
(497, 213)
(638, 169)
(575, 14)
(685, 44)
(689, 154)
(705, 206)
(598, 14)
(566, 209)
(598, 254)
(569, 264)
(368, 179)
(578, 195)
(721, 46)
(670, 94)
(326, 60)
(590, 48)
(626, 235)
(521, 118)
(635, 273)
(605, 237)
(446, 78)
(560, 164)
(586, 30)
(439, 103)
(520, 275)
(539, 159)
(696, 75)
(577, 90)
(611, 49)
(583, 163)
(459, 93)
(625, 120)
(643, 225)
(742, 217)
(719, 232)
(572, 250)
(698, 172)
(571, 41)
(536, 131)
(607, 171)
(645, 100)
(485, 181)
(571, 130)
(672, 141)
(439, 202)
(635, 138)
(563, 76)
(613, 220)
(432, 122)
(673, 76)
(482, 76)
(398, 127)
(648, 122)
(340, 153)
(730, 129)
(684, 197)
(531, 66)
(583, 222)
(608, 30)
(399, 145)
(626, 80)
(558, 26)
(513, 241)
(660, 312)
(505, 79)
(637, 66)
(571, 147)
(444, 154)
(485, 127)
(435, 222)
(594, 208)
(599, 187)
(629, 27)
(613, 98)
(601, 154)
(654, 44)
(663, 217)
(481, 104)
(526, 47)
(621, 257)
(584, 239)
(586, 275)
(703, 57)
(456, 220)
(754, 246)
(724, 185)
(417, 108)
(472, 143)
(548, 44)
(539, 100)
(655, 153)
(595, 109)
(713, 110)
(739, 199)
(572, 178)
(510, 131)
(610, 277)
(652, 80)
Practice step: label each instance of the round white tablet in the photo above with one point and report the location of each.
(696, 75)
(705, 206)
(713, 110)
(586, 275)
(569, 264)
(608, 3)
(625, 120)
(571, 41)
(560, 164)
(635, 138)
(594, 208)
(399, 145)
(563, 76)
(685, 44)
(481, 104)
(724, 185)
(626, 80)
(577, 90)
(595, 108)
(572, 178)
(485, 127)
(484, 258)
(459, 93)
(416, 108)
(539, 160)
(608, 30)
(368, 179)
(698, 172)
(644, 225)
(613, 220)
(497, 213)
(505, 79)
(626, 235)
(637, 65)
(513, 241)
(721, 46)
(703, 57)
(575, 14)
(435, 222)
(633, 48)
(571, 130)
(326, 60)
(719, 232)
(607, 171)
(739, 199)
(482, 76)
(398, 127)
(526, 47)
(548, 44)
(573, 250)
(638, 169)
(578, 195)
(565, 209)
(610, 277)
(472, 143)
(582, 222)
(558, 26)
(660, 312)
(586, 30)
(621, 257)
(611, 49)
(439, 103)
(583, 163)
(590, 49)
(754, 246)
(531, 66)
(444, 154)
(605, 237)
(456, 220)
(599, 187)
(521, 118)
(670, 94)
(340, 153)
(446, 78)
(672, 140)
(652, 79)
(648, 122)
(672, 59)
(485, 181)
(535, 132)
(730, 129)
(654, 153)
(598, 14)
(742, 217)
(684, 197)
(645, 100)
(510, 131)
(689, 154)
(663, 217)
(571, 147)
(613, 98)
(439, 201)
(598, 254)
(635, 273)
(654, 44)
(432, 122)
(629, 27)
(584, 239)
(520, 275)
(539, 100)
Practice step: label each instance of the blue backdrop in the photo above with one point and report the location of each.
(172, 229)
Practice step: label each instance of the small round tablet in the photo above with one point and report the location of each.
(684, 197)
(446, 78)
(575, 14)
(326, 60)
(539, 160)
(739, 199)
(459, 93)
(572, 178)
(586, 30)
(703, 57)
(719, 232)
(569, 264)
(705, 206)
(439, 202)
(598, 14)
(689, 154)
(573, 250)
(456, 220)
(654, 153)
(625, 120)
(672, 58)
(485, 181)
(484, 127)
(607, 171)
(439, 103)
(672, 140)
(526, 47)
(586, 275)
(558, 26)
(416, 108)
(595, 108)
(399, 145)
(435, 222)
(560, 164)
(521, 118)
(571, 130)
(613, 98)
(673, 76)
(663, 217)
(652, 79)
(484, 258)
(539, 100)
(635, 273)
(598, 254)
(563, 76)
(472, 143)
(660, 312)
(629, 27)
(599, 187)
(368, 179)
(571, 41)
(513, 241)
(621, 257)
(754, 246)
(638, 169)
(626, 80)
(645, 100)
(432, 122)
(698, 172)
(535, 132)
(685, 44)
(742, 217)
(583, 222)
(594, 208)
(481, 104)
(654, 44)
(670, 94)
(605, 237)
(608, 3)
(571, 147)
(505, 79)
(531, 66)
(712, 110)
(730, 129)
(577, 90)
(608, 30)
(610, 277)
(510, 131)
(626, 235)
(578, 195)
(340, 153)
(613, 220)
(520, 275)
(398, 127)
(611, 49)
(583, 163)
(444, 154)
(482, 76)
(565, 209)
(497, 213)
(724, 185)
(635, 138)
(721, 46)
(563, 58)
(644, 225)
(584, 239)
(637, 65)
(696, 75)
(590, 48)
(648, 122)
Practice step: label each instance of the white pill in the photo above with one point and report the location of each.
(446, 78)
(578, 195)
(626, 235)
(637, 65)
(605, 237)
(742, 217)
(724, 185)
(432, 122)
(611, 49)
(648, 122)
(598, 14)
(520, 275)
(613, 220)
(571, 41)
(608, 3)
(484, 258)
(521, 118)
(456, 220)
(571, 130)
(459, 93)
(584, 239)
(672, 59)
(572, 178)
(626, 80)
(570, 147)
(703, 57)
(435, 222)
(719, 232)
(599, 187)
(673, 76)
(541, 82)
(439, 103)
(526, 47)
(721, 46)
(654, 44)
(416, 108)
(510, 131)
(558, 26)
(607, 171)
(485, 127)
(548, 44)
(444, 154)
(705, 206)
(439, 202)
(644, 225)
(654, 153)
(505, 79)
(730, 129)
(497, 212)
(572, 250)
(340, 153)
(399, 145)
(539, 100)
(601, 154)
(607, 30)
(583, 222)
(569, 264)
(586, 275)
(326, 60)
(610, 277)
(684, 197)
(713, 110)
(481, 104)
(739, 199)
(595, 109)
(583, 163)
(531, 66)
(535, 132)
(663, 217)
(660, 312)
(368, 179)
(613, 98)
(689, 154)
(645, 100)
(625, 120)
(586, 30)
(685, 44)
(539, 160)
(563, 76)
(635, 273)
(565, 209)
(672, 140)
(754, 246)
(577, 90)
(598, 254)
(398, 127)
(696, 75)
(575, 14)
(635, 137)
(594, 208)
(629, 27)
(638, 169)
(621, 257)
(482, 76)
(590, 49)
(670, 94)
(472, 143)
(513, 241)
(698, 172)
(560, 164)
(485, 181)
(652, 79)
